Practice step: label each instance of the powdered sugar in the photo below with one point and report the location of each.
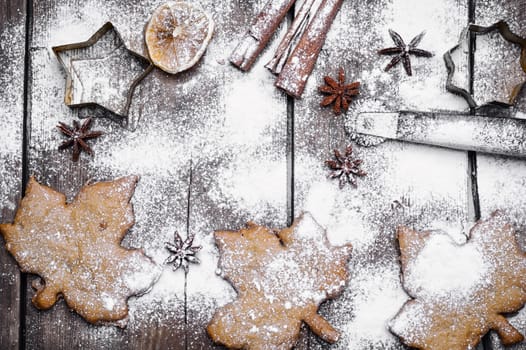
(11, 111)
(11, 79)
(323, 199)
(205, 287)
(235, 137)
(293, 269)
(406, 184)
(502, 185)
(378, 297)
(473, 281)
(445, 269)
(283, 267)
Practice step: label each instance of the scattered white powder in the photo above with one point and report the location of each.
(244, 130)
(304, 264)
(136, 154)
(252, 189)
(495, 82)
(445, 269)
(11, 94)
(426, 88)
(169, 286)
(438, 180)
(502, 185)
(249, 116)
(204, 285)
(351, 226)
(11, 111)
(378, 296)
(108, 301)
(457, 231)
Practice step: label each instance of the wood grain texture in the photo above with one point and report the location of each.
(404, 185)
(157, 320)
(211, 146)
(12, 52)
(502, 180)
(239, 167)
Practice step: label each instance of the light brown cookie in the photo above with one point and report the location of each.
(75, 248)
(460, 291)
(281, 279)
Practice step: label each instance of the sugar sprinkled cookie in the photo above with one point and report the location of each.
(460, 291)
(281, 279)
(75, 248)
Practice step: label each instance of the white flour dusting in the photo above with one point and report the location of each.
(445, 269)
(240, 143)
(11, 111)
(378, 297)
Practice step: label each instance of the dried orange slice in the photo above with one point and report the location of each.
(177, 35)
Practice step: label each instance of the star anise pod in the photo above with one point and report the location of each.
(339, 93)
(345, 167)
(403, 51)
(77, 136)
(182, 253)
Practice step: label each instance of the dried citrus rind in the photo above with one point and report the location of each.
(177, 35)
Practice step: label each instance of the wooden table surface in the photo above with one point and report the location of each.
(190, 138)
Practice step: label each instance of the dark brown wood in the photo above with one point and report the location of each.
(13, 42)
(197, 177)
(157, 320)
(502, 180)
(227, 160)
(385, 198)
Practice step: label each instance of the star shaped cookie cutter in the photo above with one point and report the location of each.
(504, 30)
(97, 71)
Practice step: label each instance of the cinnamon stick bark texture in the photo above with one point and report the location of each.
(300, 63)
(298, 26)
(258, 35)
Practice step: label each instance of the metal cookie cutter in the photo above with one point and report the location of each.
(102, 71)
(504, 30)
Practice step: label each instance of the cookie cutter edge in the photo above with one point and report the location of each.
(504, 30)
(90, 42)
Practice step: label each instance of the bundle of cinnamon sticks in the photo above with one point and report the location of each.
(298, 51)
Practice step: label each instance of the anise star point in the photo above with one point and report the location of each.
(338, 93)
(403, 51)
(182, 252)
(77, 136)
(345, 167)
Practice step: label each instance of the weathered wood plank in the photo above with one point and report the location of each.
(502, 185)
(502, 180)
(239, 170)
(12, 53)
(419, 186)
(156, 151)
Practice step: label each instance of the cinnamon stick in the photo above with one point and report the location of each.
(299, 24)
(260, 32)
(300, 63)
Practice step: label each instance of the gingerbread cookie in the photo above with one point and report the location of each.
(75, 248)
(281, 279)
(460, 291)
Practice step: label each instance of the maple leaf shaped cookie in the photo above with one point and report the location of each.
(75, 248)
(460, 291)
(281, 279)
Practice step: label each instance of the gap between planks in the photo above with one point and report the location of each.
(25, 158)
(290, 157)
